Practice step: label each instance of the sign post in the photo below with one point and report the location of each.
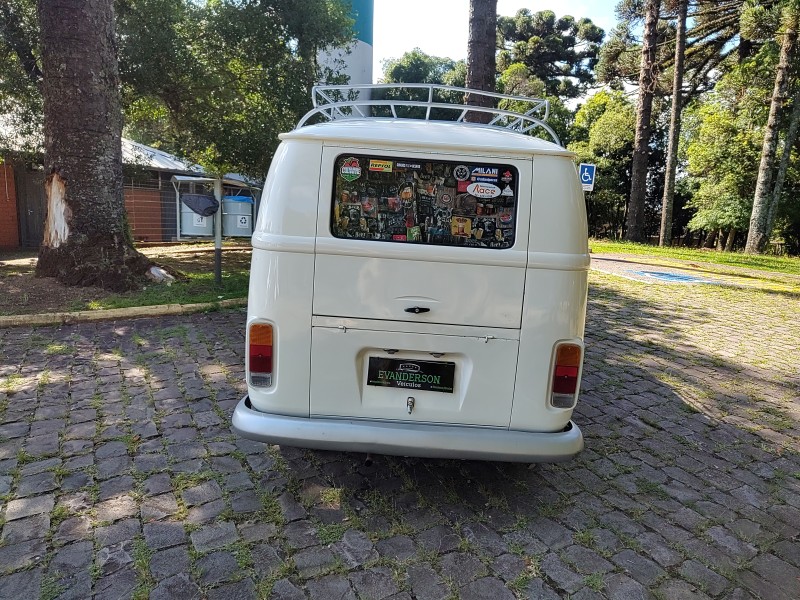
(586, 175)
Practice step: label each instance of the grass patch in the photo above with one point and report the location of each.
(594, 581)
(330, 533)
(775, 264)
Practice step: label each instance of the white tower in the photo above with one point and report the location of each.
(358, 63)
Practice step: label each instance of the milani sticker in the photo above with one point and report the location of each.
(351, 169)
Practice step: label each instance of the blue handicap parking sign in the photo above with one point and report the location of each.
(586, 175)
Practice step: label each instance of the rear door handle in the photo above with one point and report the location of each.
(417, 309)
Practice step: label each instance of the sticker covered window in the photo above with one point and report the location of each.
(442, 203)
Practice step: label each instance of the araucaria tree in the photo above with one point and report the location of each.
(648, 78)
(481, 49)
(85, 236)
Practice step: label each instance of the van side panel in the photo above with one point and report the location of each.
(282, 274)
(555, 289)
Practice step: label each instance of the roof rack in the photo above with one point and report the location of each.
(427, 102)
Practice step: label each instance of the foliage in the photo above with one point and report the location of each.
(218, 81)
(561, 52)
(213, 80)
(603, 135)
(725, 145)
(417, 67)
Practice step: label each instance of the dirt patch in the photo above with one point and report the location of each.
(22, 293)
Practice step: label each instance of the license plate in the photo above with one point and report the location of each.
(427, 375)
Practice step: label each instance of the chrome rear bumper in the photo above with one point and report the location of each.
(407, 439)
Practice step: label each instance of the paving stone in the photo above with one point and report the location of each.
(586, 561)
(117, 532)
(778, 572)
(240, 590)
(461, 568)
(163, 535)
(301, 534)
(117, 486)
(238, 481)
(291, 509)
(704, 577)
(676, 589)
(330, 587)
(426, 584)
(205, 513)
(257, 532)
(286, 590)
(507, 567)
(22, 585)
(23, 530)
(73, 529)
(36, 484)
(111, 449)
(399, 547)
(157, 484)
(440, 539)
(111, 467)
(177, 587)
(147, 463)
(171, 561)
(216, 567)
(116, 557)
(246, 501)
(266, 560)
(212, 537)
(376, 584)
(117, 508)
(560, 574)
(200, 494)
(639, 568)
(487, 588)
(485, 538)
(355, 548)
(72, 558)
(311, 562)
(21, 555)
(158, 507)
(25, 507)
(555, 536)
(541, 591)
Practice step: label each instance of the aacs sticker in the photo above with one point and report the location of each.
(483, 190)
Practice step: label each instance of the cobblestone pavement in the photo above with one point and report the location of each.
(119, 476)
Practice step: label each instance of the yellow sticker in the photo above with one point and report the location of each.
(382, 166)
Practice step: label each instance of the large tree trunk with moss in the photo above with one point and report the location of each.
(760, 228)
(648, 78)
(481, 59)
(665, 238)
(86, 238)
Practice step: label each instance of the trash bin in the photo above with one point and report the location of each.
(194, 225)
(237, 216)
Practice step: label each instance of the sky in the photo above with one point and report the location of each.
(440, 27)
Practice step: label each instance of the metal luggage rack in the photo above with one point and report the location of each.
(427, 102)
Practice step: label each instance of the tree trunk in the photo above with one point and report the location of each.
(665, 238)
(647, 82)
(711, 237)
(731, 239)
(758, 236)
(481, 59)
(86, 239)
(791, 136)
(720, 240)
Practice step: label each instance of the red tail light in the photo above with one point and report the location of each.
(566, 369)
(261, 351)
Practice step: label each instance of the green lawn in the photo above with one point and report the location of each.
(777, 264)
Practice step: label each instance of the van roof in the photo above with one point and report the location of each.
(440, 135)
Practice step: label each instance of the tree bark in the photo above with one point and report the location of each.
(665, 238)
(86, 238)
(791, 137)
(759, 233)
(647, 81)
(481, 56)
(731, 239)
(720, 240)
(711, 237)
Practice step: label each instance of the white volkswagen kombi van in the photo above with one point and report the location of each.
(418, 286)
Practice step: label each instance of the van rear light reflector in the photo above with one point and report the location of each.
(261, 351)
(566, 369)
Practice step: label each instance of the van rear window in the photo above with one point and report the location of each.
(424, 202)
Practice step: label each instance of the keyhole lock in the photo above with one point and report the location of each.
(410, 404)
